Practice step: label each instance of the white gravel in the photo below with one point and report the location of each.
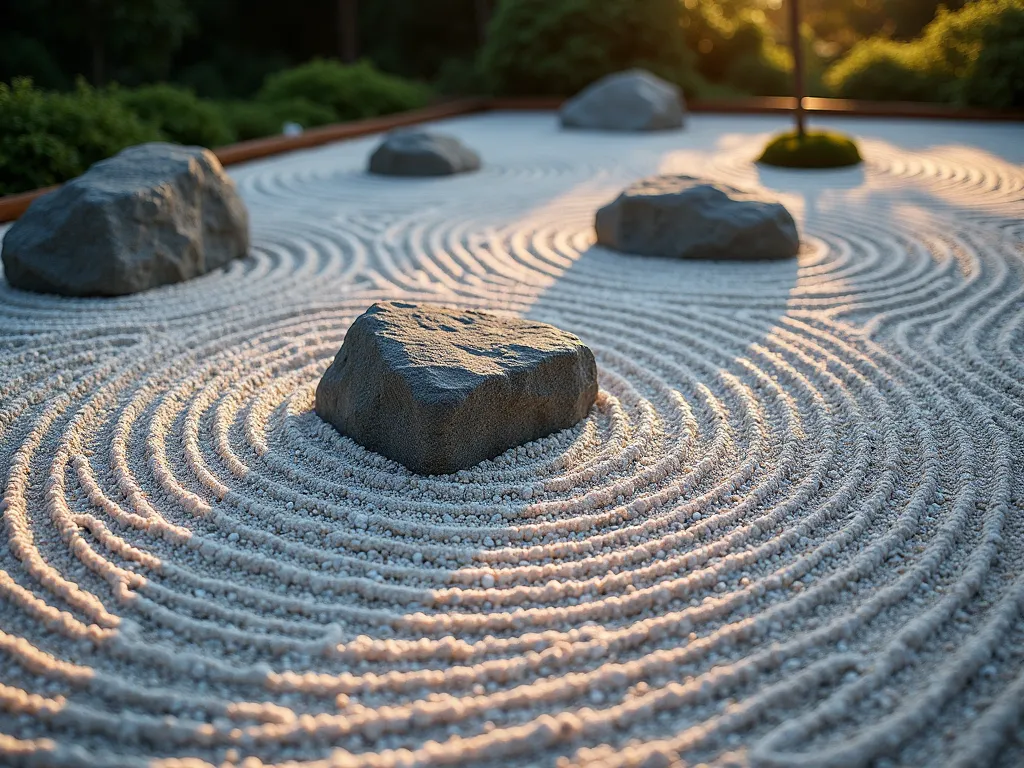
(791, 533)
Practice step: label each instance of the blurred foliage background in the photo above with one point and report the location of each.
(226, 49)
(81, 78)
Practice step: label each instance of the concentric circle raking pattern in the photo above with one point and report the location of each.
(790, 533)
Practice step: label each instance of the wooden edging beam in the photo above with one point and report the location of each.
(12, 206)
(314, 137)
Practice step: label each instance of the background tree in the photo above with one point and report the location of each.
(415, 39)
(559, 46)
(102, 39)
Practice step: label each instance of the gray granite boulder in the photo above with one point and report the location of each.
(688, 218)
(440, 390)
(151, 215)
(422, 153)
(634, 100)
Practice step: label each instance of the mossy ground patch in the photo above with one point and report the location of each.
(816, 149)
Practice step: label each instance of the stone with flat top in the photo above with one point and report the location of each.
(439, 390)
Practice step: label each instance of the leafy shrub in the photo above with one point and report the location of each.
(413, 38)
(256, 119)
(557, 47)
(974, 55)
(716, 39)
(737, 50)
(768, 72)
(47, 138)
(817, 149)
(884, 70)
(180, 114)
(351, 91)
(995, 76)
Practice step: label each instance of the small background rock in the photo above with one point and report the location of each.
(634, 100)
(440, 390)
(422, 153)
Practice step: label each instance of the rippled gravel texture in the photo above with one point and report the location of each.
(791, 532)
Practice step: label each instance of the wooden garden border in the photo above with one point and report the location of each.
(12, 206)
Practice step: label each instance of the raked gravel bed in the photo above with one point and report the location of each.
(791, 532)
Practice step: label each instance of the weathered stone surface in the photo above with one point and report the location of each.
(688, 218)
(634, 100)
(422, 153)
(440, 390)
(151, 215)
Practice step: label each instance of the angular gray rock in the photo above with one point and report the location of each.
(151, 215)
(422, 153)
(634, 100)
(440, 390)
(688, 218)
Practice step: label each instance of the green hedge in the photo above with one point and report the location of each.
(767, 72)
(557, 47)
(885, 70)
(180, 115)
(352, 92)
(995, 75)
(971, 56)
(254, 119)
(47, 138)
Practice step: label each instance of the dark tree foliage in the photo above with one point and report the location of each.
(217, 47)
(240, 42)
(736, 48)
(559, 46)
(415, 39)
(996, 77)
(973, 56)
(104, 40)
(226, 49)
(844, 22)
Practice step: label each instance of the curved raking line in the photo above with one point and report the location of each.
(790, 532)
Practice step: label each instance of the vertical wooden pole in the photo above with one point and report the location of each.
(348, 21)
(798, 65)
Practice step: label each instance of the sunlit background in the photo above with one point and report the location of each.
(106, 74)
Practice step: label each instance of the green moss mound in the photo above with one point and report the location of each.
(817, 149)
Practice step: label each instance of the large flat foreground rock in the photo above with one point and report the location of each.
(440, 390)
(151, 215)
(689, 218)
(634, 100)
(422, 153)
